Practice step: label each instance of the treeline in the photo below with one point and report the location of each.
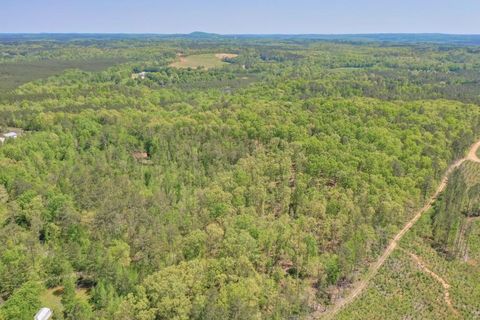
(460, 201)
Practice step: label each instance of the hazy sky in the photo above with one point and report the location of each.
(241, 16)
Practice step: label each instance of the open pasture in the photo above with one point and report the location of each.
(207, 60)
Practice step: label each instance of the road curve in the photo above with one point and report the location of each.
(373, 270)
(445, 285)
(472, 154)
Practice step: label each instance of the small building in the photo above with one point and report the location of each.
(142, 75)
(43, 314)
(140, 155)
(10, 134)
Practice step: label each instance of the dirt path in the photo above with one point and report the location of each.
(445, 285)
(373, 270)
(472, 154)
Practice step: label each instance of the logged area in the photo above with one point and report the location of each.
(443, 245)
(359, 287)
(245, 178)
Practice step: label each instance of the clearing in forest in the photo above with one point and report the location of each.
(207, 60)
(52, 298)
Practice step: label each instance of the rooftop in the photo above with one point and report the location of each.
(10, 134)
(43, 314)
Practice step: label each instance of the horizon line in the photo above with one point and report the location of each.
(244, 34)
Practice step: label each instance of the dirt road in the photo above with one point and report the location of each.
(373, 270)
(445, 285)
(472, 154)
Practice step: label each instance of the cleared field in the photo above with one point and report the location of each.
(52, 298)
(207, 60)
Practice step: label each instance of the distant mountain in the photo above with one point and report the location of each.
(203, 35)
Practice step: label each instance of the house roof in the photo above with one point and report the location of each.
(10, 134)
(140, 155)
(43, 314)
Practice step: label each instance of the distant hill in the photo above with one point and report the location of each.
(203, 35)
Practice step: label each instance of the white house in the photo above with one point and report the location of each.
(43, 314)
(10, 135)
(142, 75)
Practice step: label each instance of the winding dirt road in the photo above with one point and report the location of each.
(373, 270)
(472, 154)
(445, 285)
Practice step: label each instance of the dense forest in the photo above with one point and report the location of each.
(258, 189)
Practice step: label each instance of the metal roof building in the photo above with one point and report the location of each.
(43, 314)
(10, 135)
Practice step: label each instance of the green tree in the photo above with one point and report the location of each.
(24, 302)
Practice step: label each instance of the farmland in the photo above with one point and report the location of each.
(207, 60)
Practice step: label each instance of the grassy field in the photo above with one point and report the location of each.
(13, 75)
(52, 298)
(207, 61)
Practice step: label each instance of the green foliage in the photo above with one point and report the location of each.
(460, 200)
(73, 306)
(199, 289)
(332, 269)
(249, 191)
(24, 302)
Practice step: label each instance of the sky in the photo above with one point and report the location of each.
(241, 16)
